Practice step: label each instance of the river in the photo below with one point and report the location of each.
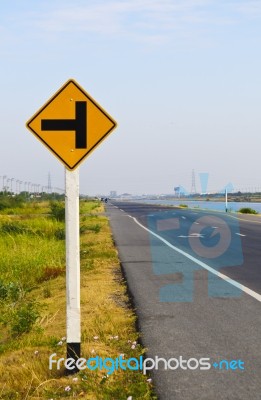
(209, 205)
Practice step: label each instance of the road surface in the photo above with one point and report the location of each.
(177, 263)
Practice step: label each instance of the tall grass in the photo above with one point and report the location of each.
(27, 247)
(33, 304)
(24, 259)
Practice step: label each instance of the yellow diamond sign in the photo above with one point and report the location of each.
(71, 124)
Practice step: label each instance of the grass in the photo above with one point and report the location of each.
(32, 300)
(247, 210)
(22, 206)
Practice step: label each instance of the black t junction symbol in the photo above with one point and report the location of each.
(79, 125)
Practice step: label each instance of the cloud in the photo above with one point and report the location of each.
(150, 21)
(249, 8)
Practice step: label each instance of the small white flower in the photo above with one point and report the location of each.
(60, 343)
(122, 356)
(63, 338)
(93, 351)
(67, 388)
(116, 337)
(74, 379)
(95, 337)
(133, 346)
(134, 343)
(149, 380)
(129, 398)
(36, 352)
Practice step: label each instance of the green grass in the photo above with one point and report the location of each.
(88, 207)
(24, 259)
(22, 206)
(33, 309)
(247, 210)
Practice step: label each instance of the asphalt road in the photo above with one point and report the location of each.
(176, 263)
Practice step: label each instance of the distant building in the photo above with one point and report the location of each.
(177, 191)
(113, 193)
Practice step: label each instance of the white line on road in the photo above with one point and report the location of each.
(203, 265)
(192, 235)
(240, 234)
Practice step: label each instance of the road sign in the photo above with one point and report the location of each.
(71, 124)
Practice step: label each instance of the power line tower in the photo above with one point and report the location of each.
(193, 183)
(49, 186)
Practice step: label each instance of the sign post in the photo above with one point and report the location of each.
(73, 323)
(71, 125)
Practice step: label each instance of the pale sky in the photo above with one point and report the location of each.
(182, 78)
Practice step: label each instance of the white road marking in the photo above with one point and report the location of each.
(183, 217)
(195, 235)
(214, 227)
(120, 209)
(240, 234)
(203, 265)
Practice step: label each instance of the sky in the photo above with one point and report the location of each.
(182, 78)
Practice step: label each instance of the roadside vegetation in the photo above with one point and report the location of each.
(247, 210)
(32, 301)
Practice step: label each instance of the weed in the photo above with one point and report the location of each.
(58, 210)
(11, 291)
(3, 291)
(10, 202)
(51, 273)
(22, 317)
(247, 210)
(93, 228)
(60, 234)
(47, 292)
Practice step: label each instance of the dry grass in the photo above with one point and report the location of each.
(108, 330)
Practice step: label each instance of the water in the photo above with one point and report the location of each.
(209, 205)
